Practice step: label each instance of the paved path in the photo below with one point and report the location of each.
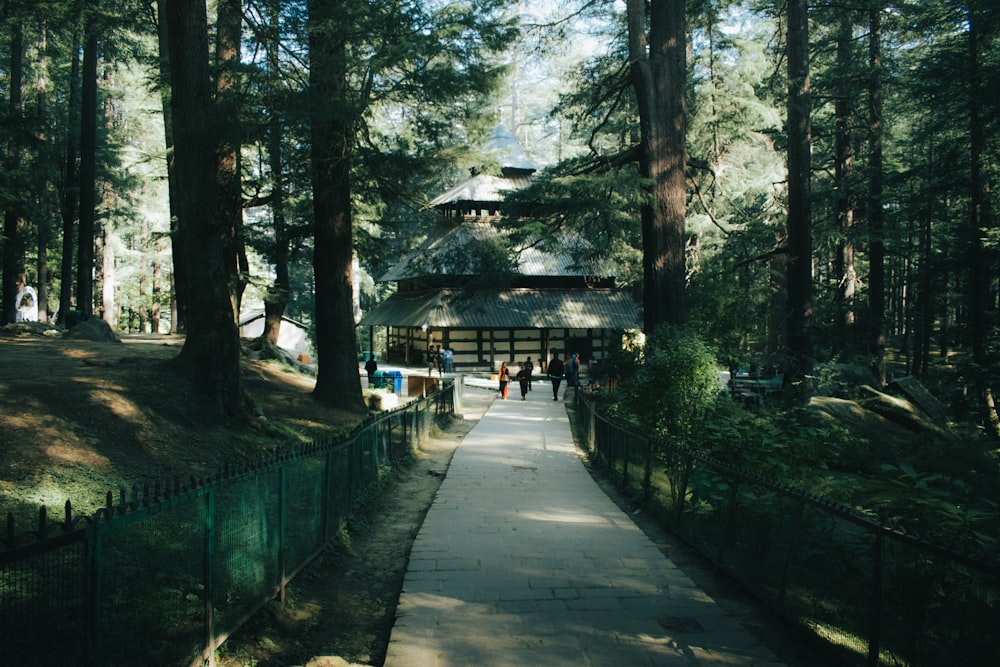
(523, 561)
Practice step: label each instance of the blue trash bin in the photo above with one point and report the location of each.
(378, 380)
(397, 381)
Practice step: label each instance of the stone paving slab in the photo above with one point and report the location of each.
(523, 560)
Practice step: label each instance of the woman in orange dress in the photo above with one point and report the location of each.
(504, 379)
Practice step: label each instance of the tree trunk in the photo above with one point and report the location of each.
(109, 202)
(69, 189)
(843, 168)
(109, 309)
(924, 323)
(45, 221)
(876, 216)
(981, 264)
(799, 283)
(154, 311)
(211, 352)
(777, 299)
(227, 62)
(659, 77)
(88, 166)
(144, 295)
(178, 308)
(338, 382)
(13, 223)
(276, 298)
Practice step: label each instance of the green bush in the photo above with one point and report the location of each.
(673, 385)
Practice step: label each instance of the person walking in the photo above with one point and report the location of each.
(572, 373)
(431, 360)
(556, 370)
(530, 367)
(371, 366)
(523, 378)
(504, 379)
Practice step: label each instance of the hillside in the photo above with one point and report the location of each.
(79, 418)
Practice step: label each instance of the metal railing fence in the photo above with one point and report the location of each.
(873, 594)
(163, 576)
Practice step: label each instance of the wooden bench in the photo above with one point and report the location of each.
(753, 385)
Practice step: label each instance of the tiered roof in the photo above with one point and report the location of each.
(551, 289)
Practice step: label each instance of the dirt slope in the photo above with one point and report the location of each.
(79, 418)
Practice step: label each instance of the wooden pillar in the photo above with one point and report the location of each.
(492, 352)
(543, 361)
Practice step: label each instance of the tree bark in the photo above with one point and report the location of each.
(844, 270)
(876, 216)
(145, 299)
(337, 382)
(88, 166)
(45, 221)
(981, 263)
(659, 73)
(211, 352)
(109, 202)
(276, 299)
(924, 320)
(178, 307)
(69, 189)
(13, 223)
(227, 61)
(109, 307)
(799, 283)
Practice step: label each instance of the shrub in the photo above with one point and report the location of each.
(674, 385)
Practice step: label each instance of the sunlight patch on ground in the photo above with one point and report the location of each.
(76, 455)
(77, 353)
(53, 496)
(45, 429)
(837, 637)
(437, 602)
(565, 517)
(120, 406)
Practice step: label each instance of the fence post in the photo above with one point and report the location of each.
(602, 441)
(874, 638)
(92, 618)
(591, 427)
(727, 529)
(625, 442)
(408, 430)
(647, 478)
(792, 548)
(282, 528)
(682, 491)
(327, 496)
(208, 521)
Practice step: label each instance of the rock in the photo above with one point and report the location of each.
(900, 411)
(843, 410)
(94, 329)
(328, 661)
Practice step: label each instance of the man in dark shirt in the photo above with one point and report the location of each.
(556, 370)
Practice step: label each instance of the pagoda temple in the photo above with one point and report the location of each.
(550, 303)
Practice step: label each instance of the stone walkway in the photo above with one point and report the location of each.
(523, 561)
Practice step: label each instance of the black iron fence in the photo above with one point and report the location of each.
(163, 575)
(873, 594)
